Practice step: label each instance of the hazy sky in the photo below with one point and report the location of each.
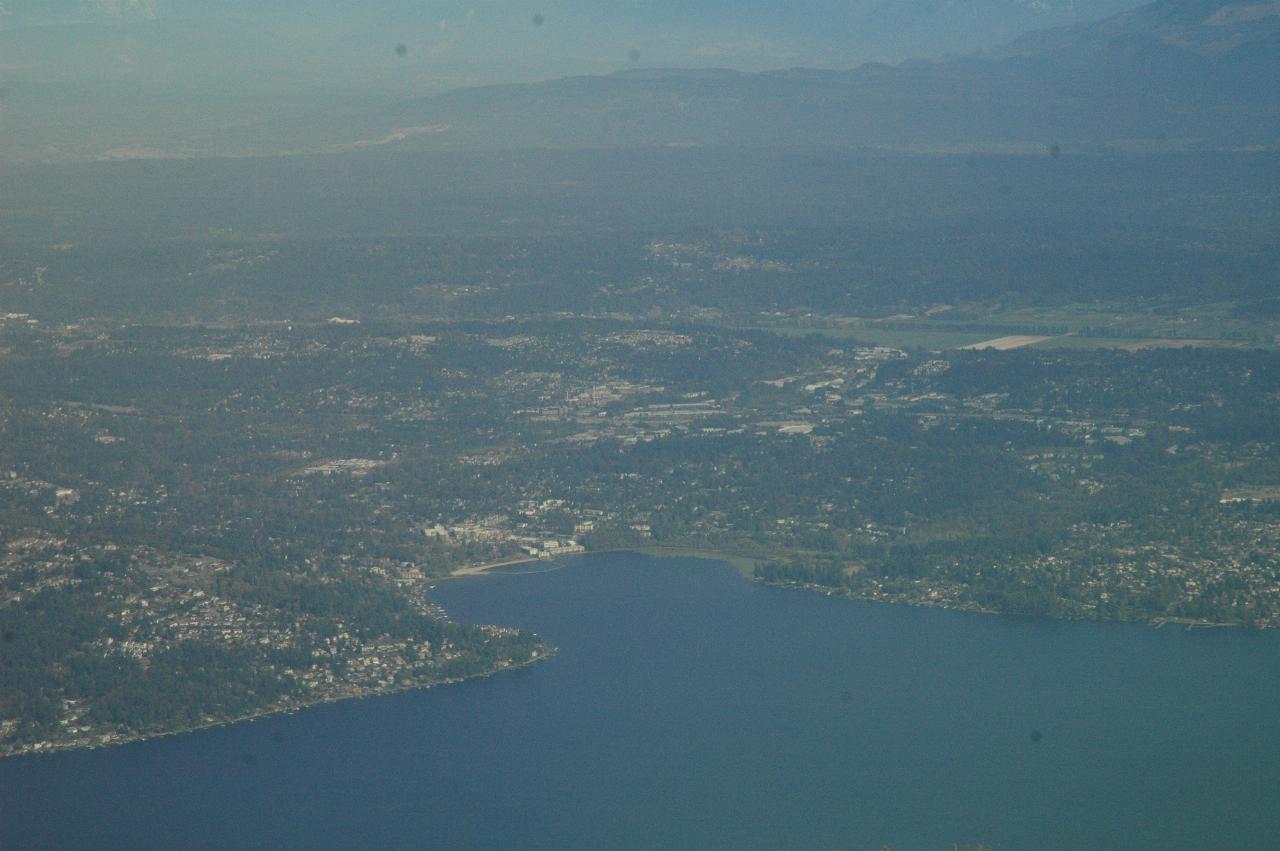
(83, 77)
(586, 33)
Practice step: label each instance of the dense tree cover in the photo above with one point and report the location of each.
(179, 450)
(193, 469)
(57, 655)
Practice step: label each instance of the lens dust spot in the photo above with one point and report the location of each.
(7, 635)
(1036, 736)
(634, 55)
(1055, 151)
(539, 19)
(402, 49)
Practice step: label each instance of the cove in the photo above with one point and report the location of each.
(689, 707)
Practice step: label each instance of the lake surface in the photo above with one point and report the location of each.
(691, 708)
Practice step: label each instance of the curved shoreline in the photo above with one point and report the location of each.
(741, 563)
(266, 712)
(744, 564)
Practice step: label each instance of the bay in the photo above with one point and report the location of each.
(689, 707)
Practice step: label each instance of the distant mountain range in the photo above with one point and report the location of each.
(1182, 73)
(142, 78)
(1209, 28)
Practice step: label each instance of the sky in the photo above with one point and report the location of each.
(80, 77)
(747, 34)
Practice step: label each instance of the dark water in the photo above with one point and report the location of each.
(691, 708)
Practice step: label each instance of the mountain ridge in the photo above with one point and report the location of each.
(1180, 74)
(1121, 79)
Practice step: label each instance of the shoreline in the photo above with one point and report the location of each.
(485, 567)
(974, 609)
(744, 564)
(266, 712)
(741, 563)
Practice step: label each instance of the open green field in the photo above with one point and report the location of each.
(1073, 341)
(1252, 493)
(871, 335)
(743, 564)
(1128, 326)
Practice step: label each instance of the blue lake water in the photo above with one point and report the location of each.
(691, 708)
